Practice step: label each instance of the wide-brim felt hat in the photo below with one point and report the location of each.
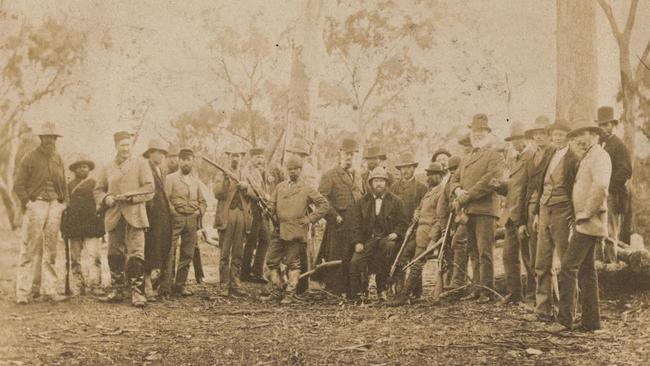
(559, 124)
(374, 152)
(298, 147)
(582, 125)
(233, 149)
(406, 159)
(479, 121)
(156, 145)
(435, 168)
(48, 129)
(605, 115)
(517, 132)
(349, 145)
(441, 151)
(81, 159)
(541, 124)
(454, 162)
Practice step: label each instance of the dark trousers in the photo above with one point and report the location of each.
(532, 249)
(511, 262)
(257, 242)
(578, 269)
(232, 248)
(374, 259)
(459, 247)
(184, 227)
(480, 242)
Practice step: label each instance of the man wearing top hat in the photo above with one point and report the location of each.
(41, 188)
(473, 192)
(589, 228)
(257, 241)
(123, 187)
(377, 223)
(187, 205)
(617, 201)
(233, 219)
(410, 191)
(158, 238)
(374, 157)
(342, 187)
(84, 229)
(514, 188)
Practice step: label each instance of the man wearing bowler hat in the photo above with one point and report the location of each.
(41, 188)
(618, 199)
(471, 186)
(342, 187)
(374, 156)
(158, 238)
(84, 229)
(589, 228)
(123, 187)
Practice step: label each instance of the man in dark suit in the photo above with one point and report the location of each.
(377, 222)
(474, 194)
(617, 201)
(157, 240)
(342, 187)
(374, 157)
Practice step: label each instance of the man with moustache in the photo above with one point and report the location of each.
(233, 219)
(473, 192)
(427, 230)
(342, 187)
(590, 227)
(187, 206)
(158, 238)
(617, 201)
(123, 187)
(377, 223)
(172, 159)
(257, 241)
(41, 188)
(374, 157)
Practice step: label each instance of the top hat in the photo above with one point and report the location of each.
(374, 152)
(155, 144)
(479, 121)
(606, 115)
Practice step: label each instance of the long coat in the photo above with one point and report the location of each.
(130, 176)
(621, 171)
(391, 219)
(474, 175)
(291, 202)
(590, 192)
(158, 239)
(515, 188)
(80, 219)
(535, 174)
(570, 166)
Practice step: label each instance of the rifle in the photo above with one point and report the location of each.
(65, 227)
(321, 266)
(443, 257)
(432, 247)
(409, 233)
(260, 201)
(196, 257)
(125, 197)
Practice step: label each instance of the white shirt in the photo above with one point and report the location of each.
(378, 202)
(555, 160)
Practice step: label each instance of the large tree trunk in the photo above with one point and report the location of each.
(577, 72)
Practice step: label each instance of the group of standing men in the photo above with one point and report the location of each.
(562, 193)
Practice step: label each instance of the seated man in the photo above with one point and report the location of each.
(377, 222)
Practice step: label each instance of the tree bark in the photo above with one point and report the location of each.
(577, 73)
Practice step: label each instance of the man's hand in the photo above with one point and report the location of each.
(392, 236)
(522, 232)
(358, 248)
(463, 198)
(243, 186)
(109, 201)
(339, 219)
(536, 223)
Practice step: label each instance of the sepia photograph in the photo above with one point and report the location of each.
(325, 182)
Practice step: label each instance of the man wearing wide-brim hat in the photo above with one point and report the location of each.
(84, 228)
(158, 239)
(471, 186)
(171, 162)
(342, 186)
(374, 157)
(41, 188)
(618, 199)
(589, 198)
(300, 149)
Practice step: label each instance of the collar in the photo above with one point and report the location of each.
(379, 197)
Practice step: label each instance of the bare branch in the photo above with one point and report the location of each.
(631, 16)
(385, 103)
(642, 62)
(229, 80)
(346, 63)
(607, 9)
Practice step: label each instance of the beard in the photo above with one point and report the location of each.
(186, 170)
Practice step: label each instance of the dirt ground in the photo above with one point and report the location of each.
(208, 330)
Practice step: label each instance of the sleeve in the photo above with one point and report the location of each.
(482, 186)
(320, 203)
(621, 167)
(66, 192)
(273, 201)
(220, 187)
(601, 171)
(169, 189)
(454, 181)
(20, 184)
(325, 188)
(401, 222)
(146, 184)
(203, 204)
(101, 187)
(354, 223)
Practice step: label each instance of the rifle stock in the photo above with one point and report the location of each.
(407, 237)
(443, 266)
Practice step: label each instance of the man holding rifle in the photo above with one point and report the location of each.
(122, 188)
(424, 234)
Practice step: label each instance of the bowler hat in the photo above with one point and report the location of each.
(80, 159)
(294, 163)
(173, 151)
(582, 125)
(374, 152)
(406, 159)
(479, 121)
(298, 147)
(121, 135)
(435, 168)
(155, 144)
(559, 124)
(256, 151)
(441, 151)
(377, 173)
(606, 115)
(541, 124)
(349, 145)
(453, 162)
(516, 132)
(48, 129)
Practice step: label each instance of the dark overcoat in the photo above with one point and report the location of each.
(80, 219)
(158, 237)
(621, 172)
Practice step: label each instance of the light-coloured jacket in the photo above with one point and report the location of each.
(291, 202)
(131, 176)
(185, 196)
(590, 191)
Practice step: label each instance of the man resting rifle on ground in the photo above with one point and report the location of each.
(290, 202)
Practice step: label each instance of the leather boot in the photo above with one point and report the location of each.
(274, 286)
(290, 293)
(116, 293)
(402, 298)
(137, 291)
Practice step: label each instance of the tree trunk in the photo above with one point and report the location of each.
(577, 73)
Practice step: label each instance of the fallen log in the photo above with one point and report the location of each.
(631, 272)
